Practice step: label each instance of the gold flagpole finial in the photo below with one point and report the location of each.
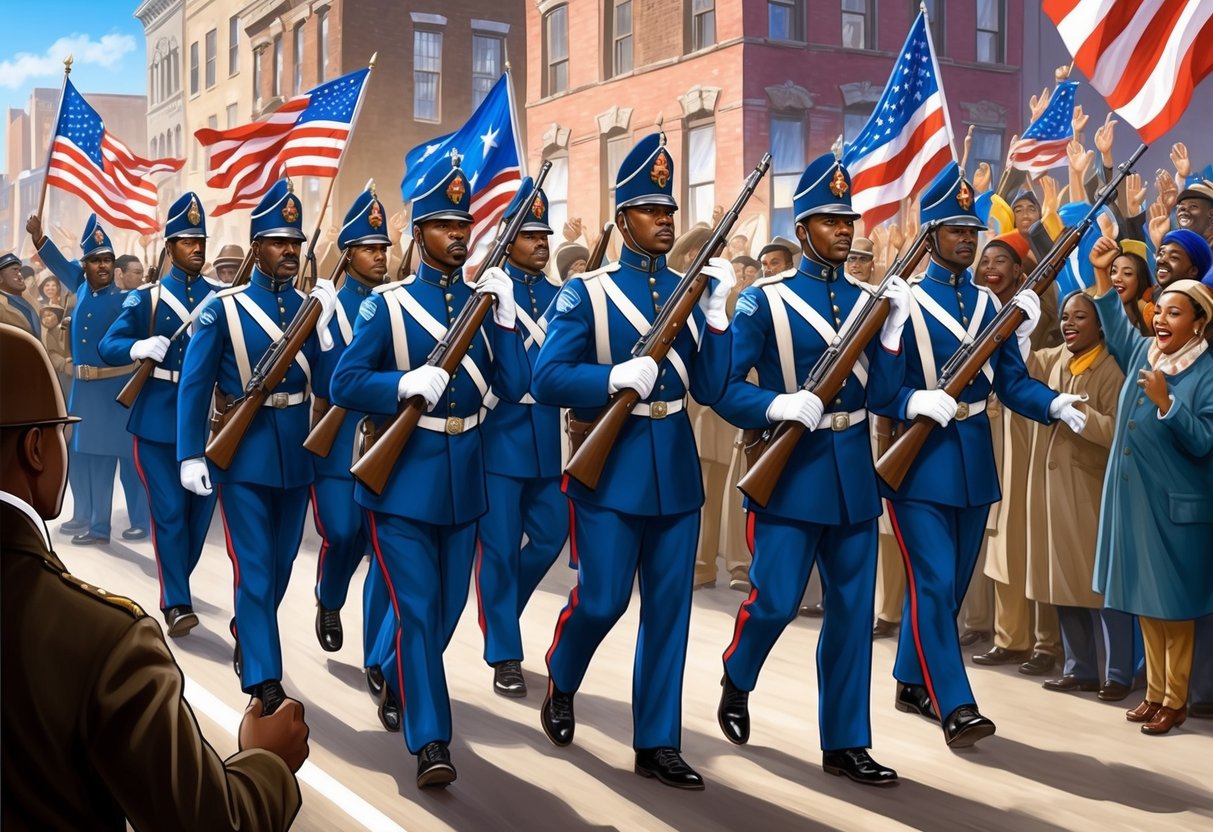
(374, 58)
(67, 64)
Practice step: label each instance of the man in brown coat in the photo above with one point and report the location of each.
(96, 732)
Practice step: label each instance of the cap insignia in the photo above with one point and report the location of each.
(455, 190)
(660, 174)
(838, 185)
(99, 237)
(375, 218)
(964, 197)
(290, 211)
(537, 207)
(193, 214)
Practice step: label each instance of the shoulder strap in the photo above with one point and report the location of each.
(437, 331)
(271, 329)
(343, 323)
(818, 322)
(171, 301)
(235, 331)
(535, 331)
(400, 341)
(783, 336)
(641, 324)
(602, 325)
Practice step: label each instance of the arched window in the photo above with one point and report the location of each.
(177, 144)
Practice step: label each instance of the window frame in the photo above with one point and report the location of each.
(323, 53)
(195, 74)
(869, 24)
(549, 63)
(211, 40)
(1000, 35)
(276, 68)
(796, 9)
(616, 39)
(696, 36)
(297, 38)
(233, 46)
(489, 77)
(792, 174)
(419, 33)
(690, 217)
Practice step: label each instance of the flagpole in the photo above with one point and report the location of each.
(50, 144)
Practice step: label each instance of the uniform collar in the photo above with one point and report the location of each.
(819, 271)
(522, 275)
(106, 290)
(431, 275)
(355, 286)
(641, 262)
(260, 278)
(28, 510)
(940, 274)
(182, 276)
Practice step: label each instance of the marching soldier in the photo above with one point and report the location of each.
(97, 444)
(644, 515)
(523, 473)
(343, 526)
(150, 316)
(783, 325)
(423, 525)
(263, 495)
(939, 513)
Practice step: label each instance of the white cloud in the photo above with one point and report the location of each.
(25, 66)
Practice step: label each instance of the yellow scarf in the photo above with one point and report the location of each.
(1079, 364)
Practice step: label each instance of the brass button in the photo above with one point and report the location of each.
(836, 310)
(449, 297)
(1128, 452)
(655, 296)
(89, 315)
(1132, 425)
(838, 401)
(652, 281)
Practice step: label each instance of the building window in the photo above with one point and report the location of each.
(617, 147)
(156, 147)
(556, 45)
(178, 152)
(487, 59)
(212, 48)
(231, 115)
(427, 74)
(297, 85)
(858, 24)
(324, 44)
(153, 85)
(989, 31)
(257, 58)
(787, 164)
(621, 36)
(854, 119)
(935, 11)
(213, 123)
(703, 23)
(701, 173)
(233, 45)
(194, 68)
(174, 70)
(987, 147)
(277, 79)
(556, 186)
(783, 20)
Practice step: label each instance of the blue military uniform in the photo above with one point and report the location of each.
(180, 519)
(97, 446)
(263, 494)
(523, 473)
(343, 526)
(423, 525)
(782, 326)
(644, 514)
(939, 512)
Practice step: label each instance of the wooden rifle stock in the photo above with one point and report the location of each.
(267, 375)
(967, 362)
(763, 475)
(376, 465)
(587, 463)
(134, 385)
(600, 248)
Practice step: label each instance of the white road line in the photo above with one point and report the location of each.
(205, 702)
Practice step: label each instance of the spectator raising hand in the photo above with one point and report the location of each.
(1168, 191)
(983, 178)
(1179, 158)
(1104, 137)
(1037, 104)
(1080, 162)
(1135, 193)
(1050, 200)
(1079, 122)
(1159, 224)
(572, 229)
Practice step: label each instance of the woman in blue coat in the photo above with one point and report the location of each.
(1155, 525)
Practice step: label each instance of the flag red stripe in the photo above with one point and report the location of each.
(66, 155)
(1196, 66)
(895, 168)
(1149, 50)
(1103, 35)
(878, 214)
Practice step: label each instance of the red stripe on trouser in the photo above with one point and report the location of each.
(912, 589)
(479, 596)
(743, 612)
(151, 515)
(324, 538)
(231, 549)
(572, 537)
(391, 590)
(567, 612)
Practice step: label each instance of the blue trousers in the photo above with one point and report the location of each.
(508, 572)
(939, 547)
(427, 569)
(378, 619)
(92, 479)
(784, 553)
(180, 520)
(263, 527)
(1121, 637)
(345, 538)
(1201, 684)
(612, 548)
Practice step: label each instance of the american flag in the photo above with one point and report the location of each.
(1144, 56)
(1043, 144)
(303, 137)
(92, 163)
(908, 138)
(491, 157)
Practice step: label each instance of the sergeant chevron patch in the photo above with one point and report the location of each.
(567, 300)
(746, 305)
(367, 310)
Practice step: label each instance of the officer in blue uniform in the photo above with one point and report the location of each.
(150, 317)
(98, 446)
(343, 526)
(644, 515)
(424, 524)
(826, 505)
(263, 494)
(939, 513)
(523, 473)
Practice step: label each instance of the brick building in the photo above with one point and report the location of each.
(729, 80)
(164, 28)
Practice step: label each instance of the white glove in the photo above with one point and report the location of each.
(326, 293)
(898, 294)
(1029, 302)
(640, 374)
(195, 476)
(713, 302)
(154, 348)
(801, 406)
(934, 404)
(1063, 408)
(497, 283)
(426, 381)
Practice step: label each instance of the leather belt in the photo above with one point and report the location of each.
(453, 425)
(842, 420)
(85, 372)
(278, 401)
(658, 410)
(967, 410)
(167, 375)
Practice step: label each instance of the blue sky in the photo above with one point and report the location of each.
(105, 38)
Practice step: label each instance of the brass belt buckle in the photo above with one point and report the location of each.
(454, 425)
(658, 410)
(962, 411)
(840, 422)
(280, 400)
(88, 372)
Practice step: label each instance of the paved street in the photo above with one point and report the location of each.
(1057, 762)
